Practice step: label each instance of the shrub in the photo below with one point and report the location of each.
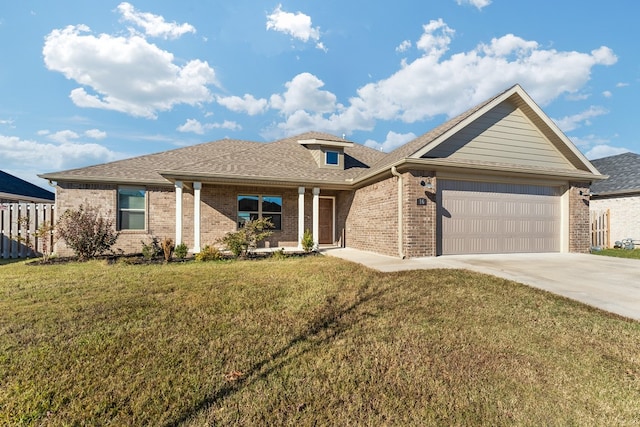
(279, 254)
(248, 237)
(181, 251)
(208, 253)
(86, 232)
(167, 248)
(151, 250)
(307, 241)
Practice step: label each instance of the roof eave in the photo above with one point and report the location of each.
(53, 177)
(445, 165)
(209, 178)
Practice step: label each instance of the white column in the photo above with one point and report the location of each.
(197, 186)
(316, 216)
(300, 216)
(178, 186)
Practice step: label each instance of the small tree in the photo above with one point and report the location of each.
(307, 241)
(86, 232)
(44, 233)
(248, 237)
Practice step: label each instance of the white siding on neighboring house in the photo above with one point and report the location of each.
(624, 215)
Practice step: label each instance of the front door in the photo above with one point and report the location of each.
(325, 221)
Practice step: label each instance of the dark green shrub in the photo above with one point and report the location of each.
(248, 237)
(150, 251)
(181, 251)
(86, 232)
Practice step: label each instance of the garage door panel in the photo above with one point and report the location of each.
(498, 218)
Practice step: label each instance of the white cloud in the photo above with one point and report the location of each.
(607, 94)
(570, 123)
(247, 104)
(191, 125)
(434, 84)
(393, 141)
(125, 74)
(194, 126)
(303, 93)
(297, 25)
(154, 25)
(477, 3)
(63, 136)
(404, 46)
(46, 157)
(604, 150)
(95, 134)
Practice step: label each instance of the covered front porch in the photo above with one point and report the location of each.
(206, 211)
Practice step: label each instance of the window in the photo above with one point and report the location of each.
(131, 208)
(331, 158)
(253, 207)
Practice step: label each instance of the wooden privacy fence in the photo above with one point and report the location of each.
(19, 222)
(600, 228)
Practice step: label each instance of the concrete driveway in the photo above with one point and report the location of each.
(611, 284)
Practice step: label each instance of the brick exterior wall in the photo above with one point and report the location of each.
(579, 226)
(624, 216)
(419, 221)
(366, 218)
(372, 221)
(218, 212)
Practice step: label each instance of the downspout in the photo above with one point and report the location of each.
(395, 173)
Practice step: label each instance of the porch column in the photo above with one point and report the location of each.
(178, 187)
(197, 186)
(300, 216)
(316, 217)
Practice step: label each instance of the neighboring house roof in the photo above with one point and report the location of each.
(12, 187)
(287, 162)
(624, 175)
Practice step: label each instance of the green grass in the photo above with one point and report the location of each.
(620, 253)
(308, 341)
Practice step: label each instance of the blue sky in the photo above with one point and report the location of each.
(83, 82)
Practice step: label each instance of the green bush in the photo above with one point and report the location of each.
(279, 254)
(248, 237)
(307, 241)
(181, 251)
(208, 253)
(150, 251)
(86, 232)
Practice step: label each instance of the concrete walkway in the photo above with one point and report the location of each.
(611, 284)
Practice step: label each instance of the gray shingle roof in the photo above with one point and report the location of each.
(624, 174)
(284, 160)
(13, 185)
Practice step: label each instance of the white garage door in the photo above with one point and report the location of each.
(480, 218)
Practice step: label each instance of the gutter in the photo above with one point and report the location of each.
(395, 173)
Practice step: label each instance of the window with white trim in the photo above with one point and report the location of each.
(252, 207)
(331, 158)
(131, 208)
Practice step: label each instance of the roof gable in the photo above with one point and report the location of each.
(503, 134)
(510, 129)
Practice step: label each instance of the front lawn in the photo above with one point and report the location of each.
(307, 341)
(620, 253)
